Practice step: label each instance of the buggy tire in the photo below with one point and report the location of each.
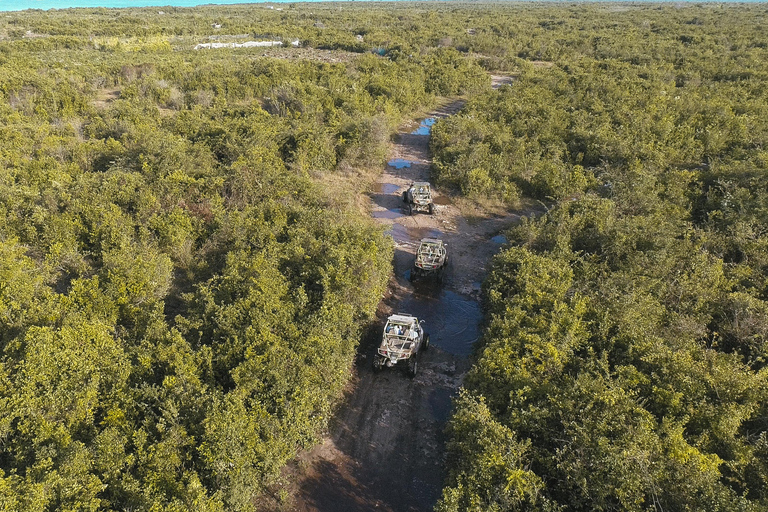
(405, 197)
(412, 275)
(431, 208)
(413, 366)
(410, 209)
(425, 346)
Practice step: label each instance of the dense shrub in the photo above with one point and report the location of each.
(622, 365)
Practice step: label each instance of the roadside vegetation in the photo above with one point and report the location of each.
(623, 358)
(186, 261)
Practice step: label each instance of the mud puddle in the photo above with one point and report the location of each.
(399, 234)
(387, 214)
(425, 232)
(452, 320)
(412, 235)
(388, 188)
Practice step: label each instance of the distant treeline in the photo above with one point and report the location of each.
(623, 364)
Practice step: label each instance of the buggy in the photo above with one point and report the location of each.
(401, 342)
(418, 197)
(431, 259)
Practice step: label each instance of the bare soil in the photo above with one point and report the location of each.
(313, 54)
(385, 449)
(106, 96)
(499, 80)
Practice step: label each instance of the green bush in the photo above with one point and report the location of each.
(621, 365)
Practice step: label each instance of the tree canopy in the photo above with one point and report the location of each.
(185, 264)
(622, 364)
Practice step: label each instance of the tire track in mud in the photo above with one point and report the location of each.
(385, 450)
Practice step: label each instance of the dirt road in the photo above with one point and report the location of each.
(385, 451)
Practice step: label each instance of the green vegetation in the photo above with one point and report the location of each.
(623, 361)
(185, 269)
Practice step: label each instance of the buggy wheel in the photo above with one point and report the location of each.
(405, 197)
(412, 275)
(413, 366)
(410, 209)
(431, 208)
(377, 363)
(425, 346)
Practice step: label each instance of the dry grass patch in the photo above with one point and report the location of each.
(106, 96)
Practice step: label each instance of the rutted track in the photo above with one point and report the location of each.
(385, 450)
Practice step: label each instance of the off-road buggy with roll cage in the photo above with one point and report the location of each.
(403, 339)
(431, 259)
(418, 198)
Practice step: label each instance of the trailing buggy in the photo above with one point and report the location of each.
(431, 259)
(401, 342)
(418, 197)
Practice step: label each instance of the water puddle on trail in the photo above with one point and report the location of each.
(419, 233)
(499, 239)
(409, 235)
(388, 214)
(399, 163)
(388, 188)
(399, 233)
(425, 128)
(452, 321)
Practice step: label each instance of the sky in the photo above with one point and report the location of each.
(18, 5)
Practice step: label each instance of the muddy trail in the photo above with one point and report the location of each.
(385, 450)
